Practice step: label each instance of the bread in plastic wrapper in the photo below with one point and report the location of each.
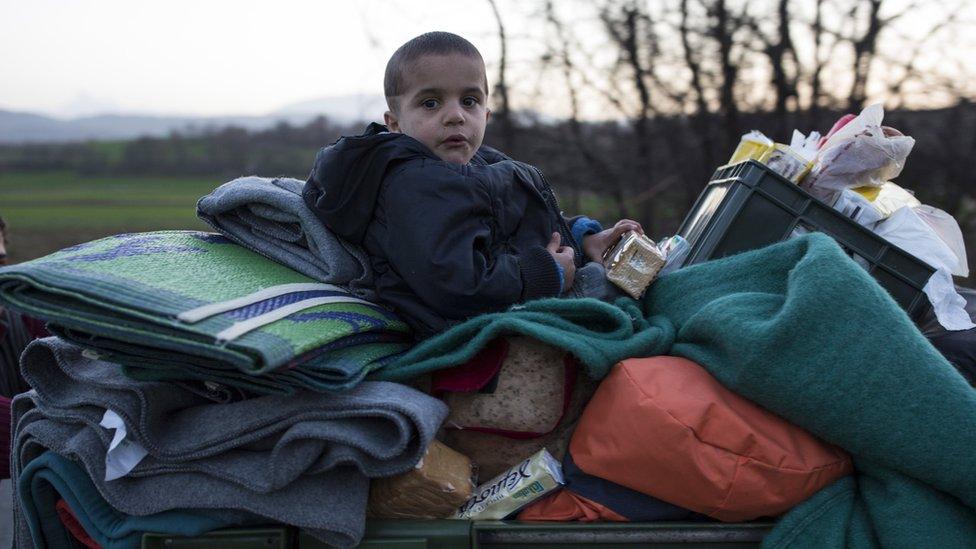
(432, 490)
(517, 487)
(633, 263)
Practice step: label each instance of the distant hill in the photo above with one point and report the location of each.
(24, 127)
(343, 108)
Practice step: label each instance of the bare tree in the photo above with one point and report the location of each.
(503, 114)
(598, 165)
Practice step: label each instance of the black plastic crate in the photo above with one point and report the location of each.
(747, 206)
(465, 534)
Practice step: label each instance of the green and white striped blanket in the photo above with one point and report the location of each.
(185, 305)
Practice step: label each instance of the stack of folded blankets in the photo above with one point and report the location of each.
(193, 384)
(129, 456)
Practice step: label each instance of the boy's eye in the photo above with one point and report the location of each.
(429, 103)
(469, 101)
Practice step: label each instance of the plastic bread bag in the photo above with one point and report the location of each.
(907, 230)
(861, 153)
(633, 263)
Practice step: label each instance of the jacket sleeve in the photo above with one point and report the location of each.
(439, 239)
(582, 227)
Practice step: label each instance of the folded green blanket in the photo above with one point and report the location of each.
(599, 334)
(50, 477)
(803, 331)
(186, 305)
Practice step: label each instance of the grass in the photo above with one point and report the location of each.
(46, 211)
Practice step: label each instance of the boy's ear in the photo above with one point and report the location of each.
(390, 119)
(487, 115)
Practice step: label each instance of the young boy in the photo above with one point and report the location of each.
(453, 228)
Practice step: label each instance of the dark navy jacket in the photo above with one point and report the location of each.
(446, 241)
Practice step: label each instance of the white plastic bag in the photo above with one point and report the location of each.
(948, 230)
(805, 145)
(859, 154)
(907, 230)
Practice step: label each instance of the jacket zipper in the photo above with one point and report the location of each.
(550, 197)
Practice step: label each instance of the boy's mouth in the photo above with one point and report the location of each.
(455, 140)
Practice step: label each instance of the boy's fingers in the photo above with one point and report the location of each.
(554, 242)
(629, 225)
(617, 231)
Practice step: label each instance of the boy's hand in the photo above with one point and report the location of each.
(564, 256)
(595, 245)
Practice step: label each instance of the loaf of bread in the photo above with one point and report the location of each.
(528, 397)
(434, 489)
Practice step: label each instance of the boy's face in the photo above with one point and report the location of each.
(443, 106)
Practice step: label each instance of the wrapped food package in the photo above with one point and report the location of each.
(781, 158)
(633, 263)
(888, 198)
(787, 162)
(515, 488)
(855, 206)
(753, 145)
(434, 489)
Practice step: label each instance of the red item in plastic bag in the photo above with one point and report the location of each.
(841, 122)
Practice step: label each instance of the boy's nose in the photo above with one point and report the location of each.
(454, 116)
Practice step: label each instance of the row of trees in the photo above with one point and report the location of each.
(689, 77)
(229, 151)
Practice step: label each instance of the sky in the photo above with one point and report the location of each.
(211, 57)
(243, 57)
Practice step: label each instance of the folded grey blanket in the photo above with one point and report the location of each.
(268, 216)
(303, 459)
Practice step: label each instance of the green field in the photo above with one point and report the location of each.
(47, 211)
(51, 210)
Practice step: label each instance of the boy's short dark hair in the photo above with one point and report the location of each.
(430, 43)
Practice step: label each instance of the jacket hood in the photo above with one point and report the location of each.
(345, 180)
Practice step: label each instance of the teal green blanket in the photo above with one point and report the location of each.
(51, 477)
(803, 331)
(186, 305)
